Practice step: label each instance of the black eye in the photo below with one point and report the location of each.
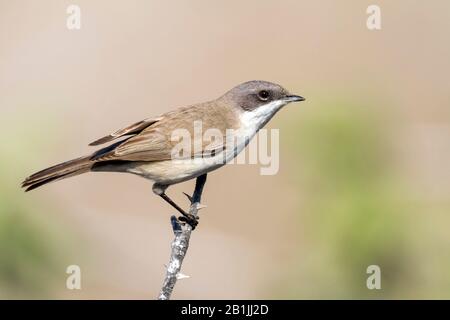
(263, 95)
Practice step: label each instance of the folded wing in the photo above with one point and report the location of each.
(155, 139)
(133, 129)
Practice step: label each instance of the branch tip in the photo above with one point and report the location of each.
(181, 242)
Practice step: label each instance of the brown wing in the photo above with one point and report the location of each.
(156, 143)
(146, 146)
(135, 128)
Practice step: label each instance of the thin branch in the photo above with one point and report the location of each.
(180, 244)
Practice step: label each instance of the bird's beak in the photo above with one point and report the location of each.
(293, 98)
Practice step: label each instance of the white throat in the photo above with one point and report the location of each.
(252, 121)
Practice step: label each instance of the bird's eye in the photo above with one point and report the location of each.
(263, 95)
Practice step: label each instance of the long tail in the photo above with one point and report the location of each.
(60, 171)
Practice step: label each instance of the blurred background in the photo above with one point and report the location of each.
(364, 173)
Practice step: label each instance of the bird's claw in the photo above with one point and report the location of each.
(190, 219)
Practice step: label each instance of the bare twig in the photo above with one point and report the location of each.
(181, 242)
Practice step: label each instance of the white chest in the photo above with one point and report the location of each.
(174, 171)
(252, 121)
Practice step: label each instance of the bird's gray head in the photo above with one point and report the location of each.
(254, 94)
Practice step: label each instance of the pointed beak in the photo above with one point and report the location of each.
(293, 98)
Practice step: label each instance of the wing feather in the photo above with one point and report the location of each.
(153, 140)
(135, 128)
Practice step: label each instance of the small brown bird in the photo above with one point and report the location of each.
(147, 147)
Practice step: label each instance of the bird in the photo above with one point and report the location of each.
(146, 148)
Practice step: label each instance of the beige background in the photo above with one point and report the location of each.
(285, 236)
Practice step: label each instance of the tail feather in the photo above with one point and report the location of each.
(57, 172)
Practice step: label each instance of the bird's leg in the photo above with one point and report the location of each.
(195, 199)
(186, 217)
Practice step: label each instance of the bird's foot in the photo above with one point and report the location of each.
(190, 219)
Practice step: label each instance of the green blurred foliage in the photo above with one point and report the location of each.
(32, 255)
(353, 209)
(27, 256)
